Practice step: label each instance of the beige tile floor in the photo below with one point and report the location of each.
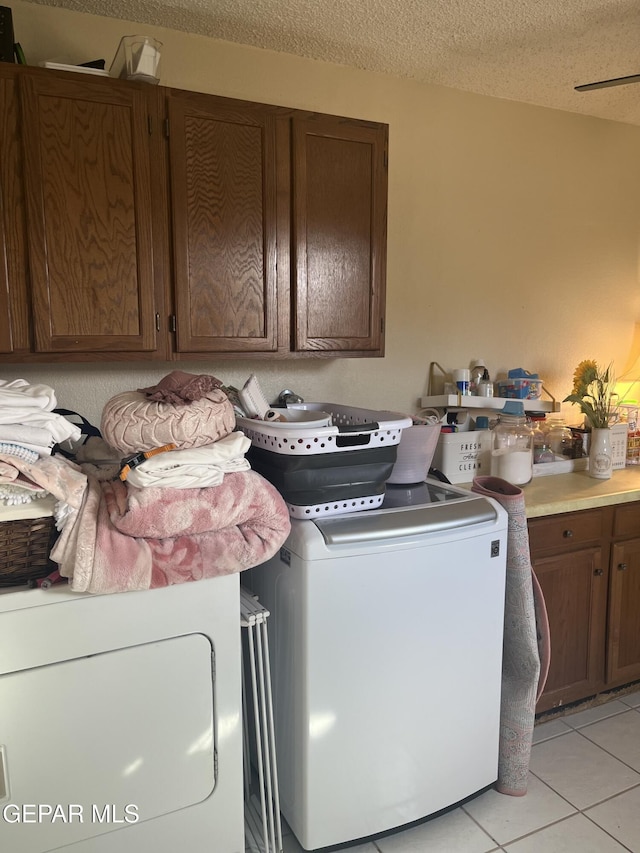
(583, 796)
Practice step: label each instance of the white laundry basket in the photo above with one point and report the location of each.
(329, 470)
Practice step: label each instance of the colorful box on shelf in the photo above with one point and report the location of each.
(519, 389)
(520, 384)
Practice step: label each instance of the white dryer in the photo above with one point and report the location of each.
(120, 720)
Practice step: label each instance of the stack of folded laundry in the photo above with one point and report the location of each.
(29, 429)
(185, 423)
(178, 501)
(27, 419)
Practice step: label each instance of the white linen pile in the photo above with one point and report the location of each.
(195, 468)
(29, 429)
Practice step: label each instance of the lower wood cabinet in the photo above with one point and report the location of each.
(623, 649)
(588, 565)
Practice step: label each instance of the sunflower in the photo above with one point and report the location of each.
(583, 375)
(593, 391)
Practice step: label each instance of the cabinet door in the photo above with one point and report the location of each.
(623, 649)
(339, 234)
(222, 156)
(89, 213)
(574, 585)
(14, 314)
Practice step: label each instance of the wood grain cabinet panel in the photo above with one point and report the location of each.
(339, 234)
(566, 531)
(150, 223)
(626, 520)
(222, 156)
(574, 585)
(14, 316)
(593, 599)
(89, 214)
(623, 647)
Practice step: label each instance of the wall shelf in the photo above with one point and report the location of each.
(459, 401)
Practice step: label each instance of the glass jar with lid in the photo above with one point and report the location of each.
(560, 438)
(512, 445)
(541, 450)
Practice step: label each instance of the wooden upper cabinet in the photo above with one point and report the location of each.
(339, 234)
(14, 314)
(89, 213)
(231, 228)
(222, 160)
(6, 333)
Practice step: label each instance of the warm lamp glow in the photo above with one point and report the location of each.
(628, 382)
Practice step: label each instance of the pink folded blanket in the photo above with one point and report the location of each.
(125, 538)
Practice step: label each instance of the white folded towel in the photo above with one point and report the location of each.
(22, 403)
(59, 428)
(20, 393)
(195, 468)
(19, 450)
(21, 433)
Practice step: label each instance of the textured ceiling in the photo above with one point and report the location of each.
(534, 51)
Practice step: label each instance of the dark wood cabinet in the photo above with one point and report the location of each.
(150, 223)
(89, 206)
(339, 234)
(222, 160)
(279, 229)
(623, 648)
(588, 565)
(571, 565)
(14, 314)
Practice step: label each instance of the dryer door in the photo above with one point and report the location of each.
(99, 743)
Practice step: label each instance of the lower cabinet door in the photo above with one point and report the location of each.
(574, 585)
(623, 648)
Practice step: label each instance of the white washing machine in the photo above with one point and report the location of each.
(386, 634)
(120, 720)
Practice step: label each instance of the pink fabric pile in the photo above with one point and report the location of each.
(187, 519)
(125, 538)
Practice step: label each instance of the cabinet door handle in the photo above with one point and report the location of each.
(568, 534)
(622, 567)
(598, 572)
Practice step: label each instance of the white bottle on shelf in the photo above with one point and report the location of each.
(477, 372)
(485, 385)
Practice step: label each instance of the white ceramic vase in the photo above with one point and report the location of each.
(600, 456)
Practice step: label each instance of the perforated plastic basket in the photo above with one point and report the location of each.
(352, 429)
(328, 470)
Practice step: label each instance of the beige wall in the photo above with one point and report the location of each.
(513, 229)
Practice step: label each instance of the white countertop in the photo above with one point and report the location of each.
(567, 492)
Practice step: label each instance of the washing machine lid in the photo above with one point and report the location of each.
(419, 510)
